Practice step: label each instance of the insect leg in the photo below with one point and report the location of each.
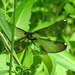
(38, 48)
(21, 38)
(35, 45)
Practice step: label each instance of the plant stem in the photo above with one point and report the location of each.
(12, 44)
(9, 48)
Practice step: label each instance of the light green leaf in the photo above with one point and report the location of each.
(40, 25)
(73, 16)
(60, 70)
(23, 14)
(4, 65)
(3, 59)
(65, 59)
(28, 61)
(72, 37)
(69, 8)
(53, 64)
(72, 40)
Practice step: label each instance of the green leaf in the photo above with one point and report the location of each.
(52, 1)
(28, 61)
(72, 40)
(72, 37)
(73, 1)
(23, 14)
(60, 70)
(4, 4)
(40, 25)
(3, 67)
(5, 27)
(50, 46)
(46, 60)
(73, 16)
(53, 64)
(1, 46)
(3, 62)
(69, 8)
(35, 62)
(65, 59)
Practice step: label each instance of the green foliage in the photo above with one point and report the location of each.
(23, 14)
(4, 26)
(32, 15)
(69, 8)
(4, 68)
(65, 59)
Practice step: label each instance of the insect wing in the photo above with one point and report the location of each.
(52, 30)
(50, 46)
(21, 44)
(19, 32)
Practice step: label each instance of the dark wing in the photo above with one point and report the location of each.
(52, 30)
(21, 44)
(50, 46)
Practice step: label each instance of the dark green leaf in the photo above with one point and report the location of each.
(46, 60)
(4, 26)
(1, 46)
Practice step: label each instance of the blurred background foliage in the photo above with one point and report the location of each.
(44, 11)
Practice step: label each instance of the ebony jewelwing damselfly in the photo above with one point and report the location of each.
(44, 44)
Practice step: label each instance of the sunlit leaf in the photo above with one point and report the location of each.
(23, 14)
(65, 59)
